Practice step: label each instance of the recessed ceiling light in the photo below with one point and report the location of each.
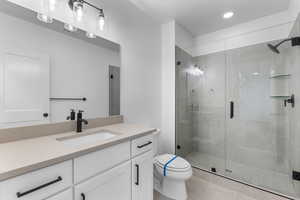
(228, 15)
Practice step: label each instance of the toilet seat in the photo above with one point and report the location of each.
(178, 168)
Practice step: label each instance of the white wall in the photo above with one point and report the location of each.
(184, 39)
(77, 68)
(167, 137)
(141, 73)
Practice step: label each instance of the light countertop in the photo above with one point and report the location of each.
(19, 157)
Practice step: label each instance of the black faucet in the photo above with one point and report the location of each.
(79, 121)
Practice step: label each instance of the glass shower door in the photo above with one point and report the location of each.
(207, 92)
(257, 138)
(183, 114)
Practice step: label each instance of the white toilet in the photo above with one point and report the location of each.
(170, 176)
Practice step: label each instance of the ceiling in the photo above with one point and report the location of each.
(205, 16)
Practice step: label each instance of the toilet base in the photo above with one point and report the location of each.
(169, 189)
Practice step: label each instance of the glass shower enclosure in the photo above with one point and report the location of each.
(233, 117)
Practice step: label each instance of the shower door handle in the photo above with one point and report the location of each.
(231, 109)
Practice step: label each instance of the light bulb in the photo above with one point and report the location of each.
(228, 15)
(101, 20)
(90, 35)
(44, 18)
(70, 28)
(101, 23)
(78, 9)
(52, 5)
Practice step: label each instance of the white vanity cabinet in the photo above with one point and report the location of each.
(133, 179)
(122, 171)
(142, 177)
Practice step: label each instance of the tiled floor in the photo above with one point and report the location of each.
(206, 186)
(268, 178)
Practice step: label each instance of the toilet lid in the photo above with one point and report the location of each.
(179, 164)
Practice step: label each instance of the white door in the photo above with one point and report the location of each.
(24, 88)
(142, 177)
(114, 184)
(66, 195)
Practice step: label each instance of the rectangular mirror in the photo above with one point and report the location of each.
(46, 71)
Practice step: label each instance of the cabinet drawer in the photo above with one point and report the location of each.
(39, 184)
(141, 145)
(91, 164)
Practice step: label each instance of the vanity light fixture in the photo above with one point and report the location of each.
(70, 28)
(77, 6)
(228, 15)
(44, 18)
(90, 35)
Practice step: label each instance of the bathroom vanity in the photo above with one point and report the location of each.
(69, 166)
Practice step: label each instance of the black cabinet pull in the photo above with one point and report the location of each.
(20, 194)
(83, 196)
(144, 145)
(137, 174)
(231, 109)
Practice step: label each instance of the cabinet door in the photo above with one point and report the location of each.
(24, 87)
(66, 195)
(142, 177)
(114, 184)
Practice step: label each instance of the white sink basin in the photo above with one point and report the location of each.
(86, 139)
